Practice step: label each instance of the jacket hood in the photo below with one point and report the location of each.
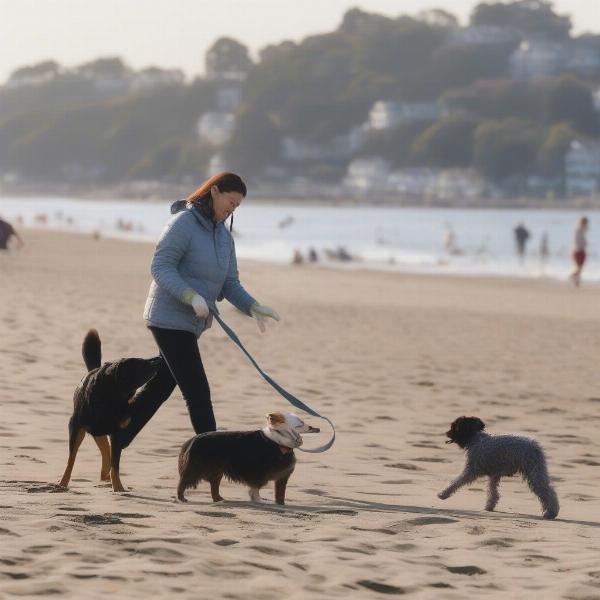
(180, 205)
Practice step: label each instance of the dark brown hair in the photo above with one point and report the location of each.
(225, 182)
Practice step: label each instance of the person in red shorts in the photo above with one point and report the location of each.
(579, 248)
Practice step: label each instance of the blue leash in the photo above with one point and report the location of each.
(289, 397)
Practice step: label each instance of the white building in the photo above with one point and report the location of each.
(582, 168)
(153, 77)
(537, 58)
(339, 148)
(368, 174)
(215, 127)
(416, 181)
(458, 183)
(386, 114)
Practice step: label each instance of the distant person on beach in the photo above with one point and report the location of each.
(579, 250)
(7, 231)
(193, 266)
(343, 254)
(450, 246)
(522, 235)
(286, 222)
(297, 258)
(313, 257)
(544, 250)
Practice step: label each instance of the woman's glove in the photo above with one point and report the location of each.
(200, 307)
(260, 313)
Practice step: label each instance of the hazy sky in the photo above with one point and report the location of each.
(176, 33)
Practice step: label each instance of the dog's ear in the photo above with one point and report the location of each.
(469, 425)
(275, 419)
(463, 429)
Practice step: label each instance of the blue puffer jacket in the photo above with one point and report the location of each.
(192, 254)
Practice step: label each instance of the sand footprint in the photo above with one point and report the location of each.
(499, 542)
(97, 520)
(337, 511)
(467, 570)
(406, 466)
(539, 558)
(226, 542)
(269, 551)
(161, 554)
(219, 515)
(261, 566)
(431, 521)
(382, 588)
(30, 458)
(39, 549)
(397, 481)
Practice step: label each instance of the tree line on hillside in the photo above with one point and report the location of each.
(104, 122)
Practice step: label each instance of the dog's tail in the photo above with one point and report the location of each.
(186, 476)
(92, 350)
(538, 480)
(184, 456)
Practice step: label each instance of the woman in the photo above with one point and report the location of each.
(579, 248)
(194, 265)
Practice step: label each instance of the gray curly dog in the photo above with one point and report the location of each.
(497, 456)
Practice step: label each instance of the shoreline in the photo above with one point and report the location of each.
(158, 192)
(355, 266)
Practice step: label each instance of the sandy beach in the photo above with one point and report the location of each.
(392, 359)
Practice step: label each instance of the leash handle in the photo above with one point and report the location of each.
(289, 397)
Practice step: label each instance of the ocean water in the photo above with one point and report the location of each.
(389, 238)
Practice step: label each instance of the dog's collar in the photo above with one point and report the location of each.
(282, 447)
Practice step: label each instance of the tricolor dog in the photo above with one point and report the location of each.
(250, 457)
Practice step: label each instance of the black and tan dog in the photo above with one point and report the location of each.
(250, 457)
(102, 403)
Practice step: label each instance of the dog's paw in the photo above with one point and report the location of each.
(443, 495)
(255, 496)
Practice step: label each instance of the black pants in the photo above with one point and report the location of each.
(181, 366)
